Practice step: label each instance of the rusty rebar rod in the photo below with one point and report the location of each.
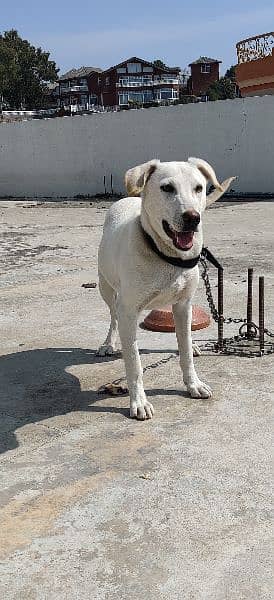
(249, 304)
(105, 189)
(111, 184)
(220, 308)
(261, 314)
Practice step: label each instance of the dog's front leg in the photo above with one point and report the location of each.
(140, 408)
(182, 312)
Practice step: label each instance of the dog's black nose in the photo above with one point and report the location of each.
(191, 218)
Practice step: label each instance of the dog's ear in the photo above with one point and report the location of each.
(210, 175)
(207, 171)
(217, 194)
(136, 178)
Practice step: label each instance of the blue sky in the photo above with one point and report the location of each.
(102, 33)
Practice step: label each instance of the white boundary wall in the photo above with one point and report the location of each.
(70, 156)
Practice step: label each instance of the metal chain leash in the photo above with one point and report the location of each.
(115, 388)
(211, 303)
(208, 290)
(154, 365)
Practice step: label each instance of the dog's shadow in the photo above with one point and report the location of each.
(36, 385)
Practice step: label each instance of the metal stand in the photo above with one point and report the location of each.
(220, 308)
(106, 186)
(261, 314)
(250, 340)
(249, 328)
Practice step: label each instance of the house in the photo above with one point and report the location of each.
(204, 72)
(255, 69)
(79, 87)
(132, 82)
(137, 81)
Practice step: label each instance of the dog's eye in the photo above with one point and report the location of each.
(198, 189)
(168, 188)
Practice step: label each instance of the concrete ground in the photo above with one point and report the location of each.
(96, 505)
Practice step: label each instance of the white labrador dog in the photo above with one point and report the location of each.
(148, 258)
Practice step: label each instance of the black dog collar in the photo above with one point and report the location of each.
(188, 263)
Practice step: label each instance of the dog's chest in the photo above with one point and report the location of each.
(178, 288)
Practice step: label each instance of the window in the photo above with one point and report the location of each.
(148, 96)
(136, 96)
(205, 68)
(134, 67)
(121, 70)
(148, 69)
(134, 79)
(166, 94)
(123, 99)
(93, 99)
(163, 94)
(140, 97)
(107, 80)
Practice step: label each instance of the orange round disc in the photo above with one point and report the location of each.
(162, 319)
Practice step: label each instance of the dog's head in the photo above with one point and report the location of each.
(174, 197)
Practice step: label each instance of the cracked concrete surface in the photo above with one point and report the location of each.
(95, 505)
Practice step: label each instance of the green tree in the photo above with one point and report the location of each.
(231, 73)
(223, 89)
(159, 63)
(24, 72)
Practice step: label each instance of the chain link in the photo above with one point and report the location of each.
(209, 295)
(269, 333)
(237, 347)
(154, 365)
(160, 362)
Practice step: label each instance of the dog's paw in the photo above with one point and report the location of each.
(196, 350)
(198, 389)
(107, 350)
(141, 410)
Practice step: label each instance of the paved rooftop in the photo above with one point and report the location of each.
(96, 505)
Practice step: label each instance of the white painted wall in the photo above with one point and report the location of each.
(70, 156)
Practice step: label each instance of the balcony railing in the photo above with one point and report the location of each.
(73, 88)
(255, 48)
(146, 83)
(170, 81)
(141, 83)
(79, 88)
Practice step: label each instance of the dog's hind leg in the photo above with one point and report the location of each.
(109, 296)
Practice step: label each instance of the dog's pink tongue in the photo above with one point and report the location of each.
(185, 240)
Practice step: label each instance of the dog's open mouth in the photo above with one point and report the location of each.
(183, 240)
